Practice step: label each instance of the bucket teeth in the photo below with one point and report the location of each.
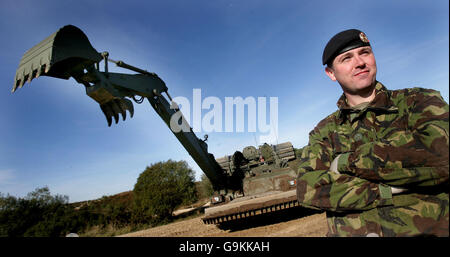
(122, 109)
(39, 72)
(127, 105)
(108, 113)
(115, 107)
(28, 76)
(116, 110)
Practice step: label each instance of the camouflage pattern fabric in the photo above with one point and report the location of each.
(401, 140)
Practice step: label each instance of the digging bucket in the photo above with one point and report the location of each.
(61, 55)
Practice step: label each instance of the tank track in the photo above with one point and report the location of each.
(245, 208)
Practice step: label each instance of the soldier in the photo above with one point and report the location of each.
(378, 165)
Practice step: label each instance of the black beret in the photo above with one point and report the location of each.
(343, 42)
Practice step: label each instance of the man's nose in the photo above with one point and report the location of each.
(359, 62)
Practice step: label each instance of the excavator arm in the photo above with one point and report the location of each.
(68, 53)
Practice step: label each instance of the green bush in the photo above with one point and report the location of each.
(161, 188)
(38, 214)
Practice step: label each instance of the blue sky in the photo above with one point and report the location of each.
(52, 134)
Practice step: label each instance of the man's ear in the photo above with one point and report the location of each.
(330, 73)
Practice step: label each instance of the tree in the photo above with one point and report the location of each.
(161, 188)
(206, 188)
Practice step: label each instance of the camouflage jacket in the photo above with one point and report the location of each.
(401, 140)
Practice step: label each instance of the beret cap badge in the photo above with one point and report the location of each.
(363, 37)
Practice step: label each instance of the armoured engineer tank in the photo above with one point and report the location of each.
(266, 177)
(250, 182)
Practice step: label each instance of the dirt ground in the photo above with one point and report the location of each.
(308, 225)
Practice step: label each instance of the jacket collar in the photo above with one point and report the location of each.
(382, 102)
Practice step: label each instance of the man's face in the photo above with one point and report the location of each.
(355, 70)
